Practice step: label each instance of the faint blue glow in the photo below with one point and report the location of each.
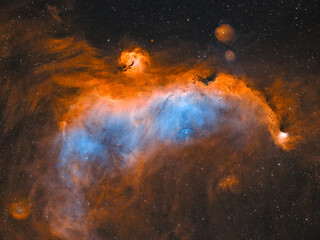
(185, 134)
(80, 145)
(189, 111)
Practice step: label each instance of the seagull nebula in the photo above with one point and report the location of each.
(154, 132)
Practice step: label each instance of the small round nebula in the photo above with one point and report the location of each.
(225, 34)
(20, 210)
(228, 182)
(134, 61)
(229, 55)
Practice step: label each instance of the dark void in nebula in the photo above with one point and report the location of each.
(133, 120)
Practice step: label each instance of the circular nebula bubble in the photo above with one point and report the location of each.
(225, 34)
(185, 134)
(229, 55)
(20, 210)
(134, 61)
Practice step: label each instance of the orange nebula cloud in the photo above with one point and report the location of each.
(226, 34)
(134, 61)
(128, 90)
(106, 187)
(80, 83)
(20, 210)
(228, 182)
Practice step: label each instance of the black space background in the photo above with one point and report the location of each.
(279, 33)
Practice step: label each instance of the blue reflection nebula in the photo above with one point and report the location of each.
(185, 135)
(177, 118)
(80, 145)
(192, 111)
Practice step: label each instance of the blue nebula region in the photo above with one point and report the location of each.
(178, 118)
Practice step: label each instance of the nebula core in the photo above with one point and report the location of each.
(131, 144)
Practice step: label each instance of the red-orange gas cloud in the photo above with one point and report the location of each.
(137, 79)
(148, 151)
(105, 89)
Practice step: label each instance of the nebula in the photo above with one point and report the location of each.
(130, 146)
(226, 34)
(106, 134)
